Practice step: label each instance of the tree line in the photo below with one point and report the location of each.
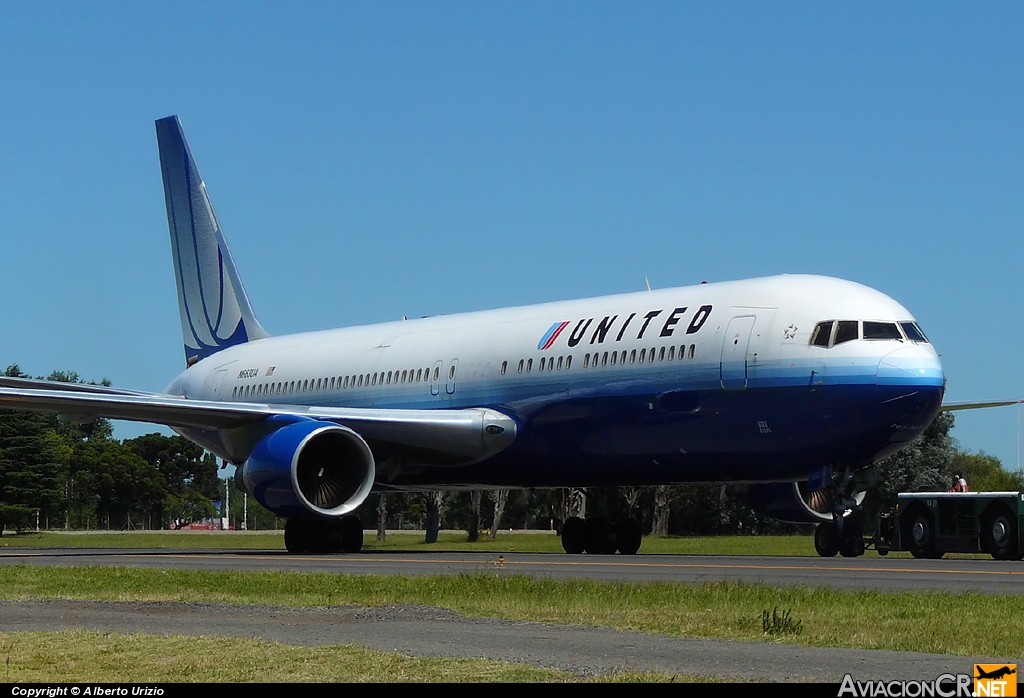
(62, 474)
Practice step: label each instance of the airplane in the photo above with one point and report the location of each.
(996, 673)
(791, 387)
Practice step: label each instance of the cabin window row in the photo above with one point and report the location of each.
(358, 380)
(612, 358)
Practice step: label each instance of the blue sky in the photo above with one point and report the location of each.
(380, 159)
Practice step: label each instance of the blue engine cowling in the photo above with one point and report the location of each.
(809, 502)
(310, 468)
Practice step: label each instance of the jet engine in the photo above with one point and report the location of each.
(309, 468)
(810, 501)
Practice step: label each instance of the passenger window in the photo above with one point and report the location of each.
(693, 348)
(504, 367)
(568, 362)
(559, 363)
(529, 365)
(586, 360)
(846, 331)
(520, 365)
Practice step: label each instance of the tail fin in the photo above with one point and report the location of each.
(215, 312)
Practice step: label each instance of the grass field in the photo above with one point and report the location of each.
(961, 624)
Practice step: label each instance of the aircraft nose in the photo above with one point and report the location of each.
(911, 365)
(910, 386)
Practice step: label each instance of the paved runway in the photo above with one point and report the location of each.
(868, 572)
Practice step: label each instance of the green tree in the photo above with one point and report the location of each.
(32, 463)
(985, 473)
(189, 475)
(111, 486)
(923, 465)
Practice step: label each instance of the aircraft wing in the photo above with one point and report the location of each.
(447, 436)
(977, 404)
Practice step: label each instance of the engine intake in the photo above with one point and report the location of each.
(810, 501)
(310, 467)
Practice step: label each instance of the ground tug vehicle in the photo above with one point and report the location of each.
(931, 524)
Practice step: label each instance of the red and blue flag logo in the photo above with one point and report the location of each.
(551, 335)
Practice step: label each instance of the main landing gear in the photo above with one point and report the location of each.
(320, 536)
(595, 535)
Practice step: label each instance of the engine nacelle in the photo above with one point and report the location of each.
(810, 501)
(310, 467)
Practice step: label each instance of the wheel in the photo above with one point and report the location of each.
(826, 539)
(919, 534)
(351, 534)
(296, 536)
(1002, 536)
(852, 548)
(628, 537)
(598, 539)
(574, 535)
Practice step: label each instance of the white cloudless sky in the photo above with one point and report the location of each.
(369, 160)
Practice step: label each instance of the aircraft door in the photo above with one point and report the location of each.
(450, 386)
(214, 387)
(435, 378)
(734, 352)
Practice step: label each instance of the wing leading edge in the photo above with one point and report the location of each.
(437, 437)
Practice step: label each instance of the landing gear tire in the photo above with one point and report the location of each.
(323, 536)
(826, 539)
(599, 538)
(852, 548)
(351, 534)
(296, 536)
(574, 535)
(1002, 536)
(629, 537)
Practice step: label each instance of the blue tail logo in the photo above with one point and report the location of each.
(215, 312)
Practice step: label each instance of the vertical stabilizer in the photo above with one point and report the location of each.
(215, 312)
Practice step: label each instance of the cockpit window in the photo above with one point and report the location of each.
(881, 330)
(913, 332)
(830, 333)
(822, 334)
(847, 330)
